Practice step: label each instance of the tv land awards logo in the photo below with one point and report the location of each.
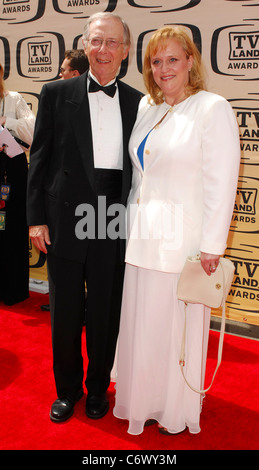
(39, 53)
(244, 251)
(244, 46)
(39, 57)
(245, 218)
(247, 114)
(244, 293)
(21, 11)
(16, 6)
(83, 8)
(241, 58)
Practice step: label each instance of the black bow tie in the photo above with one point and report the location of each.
(109, 90)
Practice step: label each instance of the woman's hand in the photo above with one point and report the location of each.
(209, 262)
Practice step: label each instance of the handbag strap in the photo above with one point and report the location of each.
(3, 106)
(220, 346)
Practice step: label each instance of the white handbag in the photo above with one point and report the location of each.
(195, 286)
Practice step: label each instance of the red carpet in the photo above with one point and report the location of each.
(229, 421)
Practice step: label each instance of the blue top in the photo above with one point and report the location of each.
(140, 150)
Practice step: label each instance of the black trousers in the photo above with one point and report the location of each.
(102, 271)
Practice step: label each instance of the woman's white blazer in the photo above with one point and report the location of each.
(182, 202)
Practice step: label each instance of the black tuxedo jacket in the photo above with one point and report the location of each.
(61, 171)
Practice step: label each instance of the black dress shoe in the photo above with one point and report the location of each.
(63, 408)
(96, 406)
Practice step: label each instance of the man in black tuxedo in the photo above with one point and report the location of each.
(79, 157)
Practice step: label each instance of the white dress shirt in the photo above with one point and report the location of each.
(106, 129)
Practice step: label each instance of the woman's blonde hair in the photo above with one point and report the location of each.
(2, 88)
(160, 40)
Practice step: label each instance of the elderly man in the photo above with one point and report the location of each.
(79, 155)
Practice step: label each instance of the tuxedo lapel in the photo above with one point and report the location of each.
(78, 107)
(127, 124)
(126, 121)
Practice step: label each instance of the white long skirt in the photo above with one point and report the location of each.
(149, 382)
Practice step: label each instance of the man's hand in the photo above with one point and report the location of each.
(39, 235)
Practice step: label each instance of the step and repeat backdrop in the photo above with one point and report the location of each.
(34, 35)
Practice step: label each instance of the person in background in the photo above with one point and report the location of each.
(185, 153)
(18, 118)
(74, 162)
(74, 64)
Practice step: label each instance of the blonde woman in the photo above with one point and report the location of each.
(185, 154)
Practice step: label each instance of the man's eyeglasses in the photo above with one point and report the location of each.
(110, 43)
